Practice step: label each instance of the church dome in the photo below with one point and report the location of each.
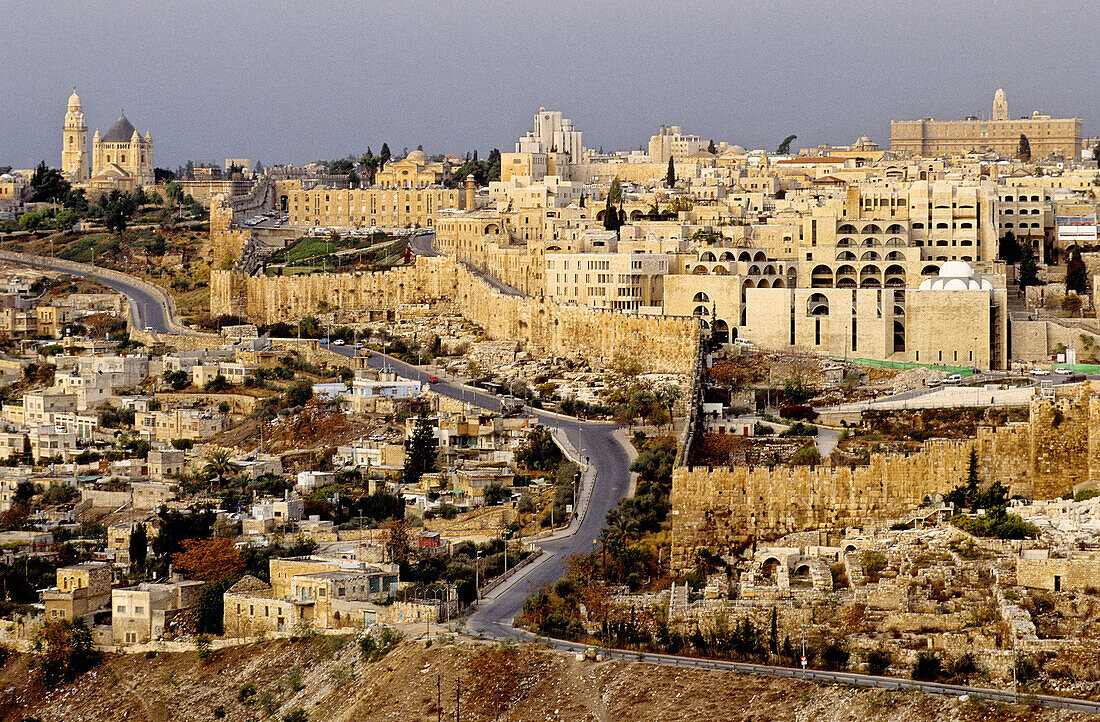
(417, 156)
(74, 101)
(121, 132)
(956, 269)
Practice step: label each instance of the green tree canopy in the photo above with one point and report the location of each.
(785, 147)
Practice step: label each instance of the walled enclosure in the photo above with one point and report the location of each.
(722, 509)
(602, 337)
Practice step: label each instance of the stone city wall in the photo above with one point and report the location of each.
(725, 508)
(659, 344)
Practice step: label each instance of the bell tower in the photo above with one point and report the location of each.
(74, 142)
(1000, 105)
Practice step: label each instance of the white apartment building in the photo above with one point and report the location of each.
(552, 133)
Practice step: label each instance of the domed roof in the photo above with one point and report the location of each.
(738, 149)
(74, 100)
(956, 269)
(121, 132)
(417, 156)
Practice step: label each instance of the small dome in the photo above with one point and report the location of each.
(417, 156)
(74, 101)
(955, 284)
(739, 149)
(956, 269)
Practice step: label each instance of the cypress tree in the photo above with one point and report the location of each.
(1076, 273)
(670, 177)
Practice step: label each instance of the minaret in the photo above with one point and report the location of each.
(471, 193)
(74, 142)
(1000, 105)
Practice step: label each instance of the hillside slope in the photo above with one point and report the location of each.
(332, 683)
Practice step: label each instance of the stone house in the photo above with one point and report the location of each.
(141, 613)
(81, 589)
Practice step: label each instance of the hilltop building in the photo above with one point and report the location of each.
(1048, 137)
(121, 158)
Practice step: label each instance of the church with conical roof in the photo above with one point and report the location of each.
(121, 158)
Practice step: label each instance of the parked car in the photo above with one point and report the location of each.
(1063, 370)
(1039, 372)
(433, 379)
(953, 379)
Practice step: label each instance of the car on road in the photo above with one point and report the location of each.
(1063, 370)
(433, 379)
(338, 342)
(1039, 372)
(953, 379)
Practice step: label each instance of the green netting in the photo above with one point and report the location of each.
(960, 370)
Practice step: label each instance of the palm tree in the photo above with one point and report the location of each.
(668, 396)
(220, 464)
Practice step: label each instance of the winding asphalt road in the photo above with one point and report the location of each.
(595, 440)
(147, 310)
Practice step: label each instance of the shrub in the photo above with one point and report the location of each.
(296, 715)
(62, 651)
(798, 412)
(202, 647)
(247, 694)
(927, 667)
(878, 661)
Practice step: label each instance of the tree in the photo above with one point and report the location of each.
(612, 220)
(398, 546)
(62, 651)
(353, 179)
(670, 175)
(539, 452)
(927, 667)
(494, 494)
(48, 185)
(1023, 150)
(139, 547)
(711, 149)
(1076, 273)
(299, 392)
(384, 156)
(220, 464)
(1009, 248)
(667, 396)
(178, 380)
(217, 384)
(210, 608)
(785, 147)
(1029, 268)
(208, 559)
(420, 453)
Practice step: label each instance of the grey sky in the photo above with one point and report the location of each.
(293, 82)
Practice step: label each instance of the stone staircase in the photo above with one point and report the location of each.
(854, 566)
(678, 601)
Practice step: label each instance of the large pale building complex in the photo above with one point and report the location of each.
(122, 158)
(1048, 137)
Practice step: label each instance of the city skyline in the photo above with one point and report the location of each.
(421, 75)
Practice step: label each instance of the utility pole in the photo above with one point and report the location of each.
(458, 700)
(438, 698)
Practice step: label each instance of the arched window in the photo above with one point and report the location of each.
(701, 298)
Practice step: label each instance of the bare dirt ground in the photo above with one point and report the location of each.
(331, 682)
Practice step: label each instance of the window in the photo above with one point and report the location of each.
(121, 609)
(139, 610)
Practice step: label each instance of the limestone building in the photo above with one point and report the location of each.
(553, 134)
(121, 158)
(671, 142)
(1048, 137)
(407, 193)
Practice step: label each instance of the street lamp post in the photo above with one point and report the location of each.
(477, 576)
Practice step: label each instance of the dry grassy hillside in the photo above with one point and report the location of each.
(332, 683)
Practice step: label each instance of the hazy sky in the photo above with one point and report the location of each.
(293, 82)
